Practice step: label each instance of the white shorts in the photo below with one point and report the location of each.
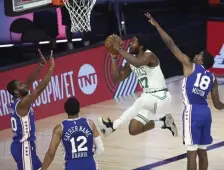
(155, 102)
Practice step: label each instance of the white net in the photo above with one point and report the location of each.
(79, 11)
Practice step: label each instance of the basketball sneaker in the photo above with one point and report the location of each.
(169, 124)
(106, 127)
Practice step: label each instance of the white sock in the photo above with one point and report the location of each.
(117, 123)
(158, 123)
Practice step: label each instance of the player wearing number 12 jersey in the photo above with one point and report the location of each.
(155, 94)
(197, 83)
(80, 139)
(23, 148)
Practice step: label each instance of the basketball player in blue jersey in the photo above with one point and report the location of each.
(80, 139)
(197, 83)
(23, 147)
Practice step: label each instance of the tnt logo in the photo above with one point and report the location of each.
(87, 79)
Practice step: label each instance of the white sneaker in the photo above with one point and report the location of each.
(106, 127)
(169, 124)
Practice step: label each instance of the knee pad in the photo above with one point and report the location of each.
(192, 147)
(202, 147)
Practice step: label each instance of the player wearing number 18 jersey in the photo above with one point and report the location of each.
(80, 139)
(197, 83)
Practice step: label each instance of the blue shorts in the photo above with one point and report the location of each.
(197, 122)
(25, 155)
(81, 164)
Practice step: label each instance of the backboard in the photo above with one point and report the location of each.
(20, 7)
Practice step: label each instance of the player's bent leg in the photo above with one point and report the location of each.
(146, 102)
(163, 100)
(138, 126)
(203, 157)
(107, 127)
(192, 157)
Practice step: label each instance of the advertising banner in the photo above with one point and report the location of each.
(85, 75)
(215, 45)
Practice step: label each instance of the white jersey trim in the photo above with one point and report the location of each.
(187, 116)
(73, 119)
(17, 112)
(26, 156)
(16, 109)
(26, 127)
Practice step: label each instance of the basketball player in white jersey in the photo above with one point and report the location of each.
(155, 94)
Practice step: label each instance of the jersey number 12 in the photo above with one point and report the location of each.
(202, 81)
(81, 147)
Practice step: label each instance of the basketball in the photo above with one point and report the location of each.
(108, 44)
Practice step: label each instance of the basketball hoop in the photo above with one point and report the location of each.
(79, 11)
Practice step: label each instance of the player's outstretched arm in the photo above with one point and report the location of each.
(215, 96)
(55, 141)
(184, 59)
(119, 75)
(34, 75)
(25, 103)
(97, 139)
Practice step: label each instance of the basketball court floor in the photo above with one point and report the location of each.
(156, 149)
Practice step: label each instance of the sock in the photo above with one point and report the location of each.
(117, 123)
(158, 123)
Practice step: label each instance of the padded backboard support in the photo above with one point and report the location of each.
(21, 7)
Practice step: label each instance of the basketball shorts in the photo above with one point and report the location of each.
(197, 125)
(25, 156)
(81, 164)
(155, 102)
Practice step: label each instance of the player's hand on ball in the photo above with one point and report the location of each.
(151, 19)
(112, 43)
(116, 43)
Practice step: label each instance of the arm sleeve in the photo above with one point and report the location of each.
(99, 145)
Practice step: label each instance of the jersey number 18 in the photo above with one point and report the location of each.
(202, 81)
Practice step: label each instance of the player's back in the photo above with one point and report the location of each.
(197, 114)
(197, 86)
(23, 127)
(77, 140)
